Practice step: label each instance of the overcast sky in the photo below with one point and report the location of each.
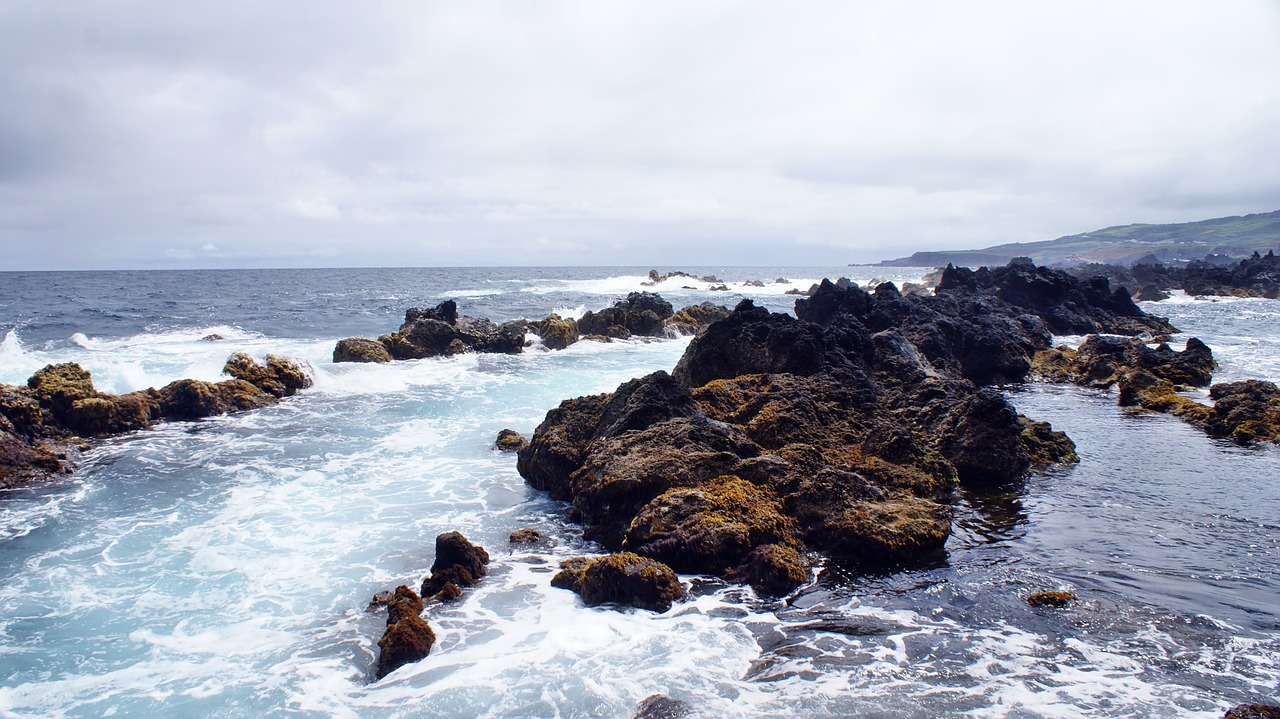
(137, 134)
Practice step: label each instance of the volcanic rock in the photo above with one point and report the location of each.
(624, 579)
(407, 638)
(510, 440)
(441, 331)
(556, 333)
(1050, 599)
(641, 314)
(458, 562)
(360, 349)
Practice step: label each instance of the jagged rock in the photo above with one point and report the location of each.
(1150, 293)
(624, 578)
(753, 283)
(1067, 305)
(1253, 711)
(458, 562)
(1101, 360)
(441, 331)
(510, 440)
(661, 707)
(278, 376)
(713, 528)
(360, 349)
(1246, 411)
(187, 399)
(1044, 446)
(1050, 599)
(556, 333)
(525, 536)
(212, 337)
(407, 638)
(842, 429)
(641, 314)
(1255, 276)
(695, 318)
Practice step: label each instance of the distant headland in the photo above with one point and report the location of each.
(1224, 238)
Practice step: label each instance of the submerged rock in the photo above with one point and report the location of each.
(1050, 599)
(1253, 711)
(624, 579)
(658, 706)
(525, 536)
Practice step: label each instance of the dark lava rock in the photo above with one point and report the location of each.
(556, 333)
(641, 314)
(1050, 599)
(407, 638)
(1066, 304)
(1254, 276)
(624, 579)
(510, 440)
(841, 430)
(525, 536)
(1253, 711)
(1246, 412)
(458, 562)
(277, 376)
(1150, 293)
(360, 349)
(658, 706)
(713, 529)
(1102, 359)
(694, 318)
(42, 424)
(441, 331)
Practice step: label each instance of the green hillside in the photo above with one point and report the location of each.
(1234, 236)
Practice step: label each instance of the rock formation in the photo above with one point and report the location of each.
(840, 430)
(625, 579)
(459, 563)
(42, 423)
(407, 638)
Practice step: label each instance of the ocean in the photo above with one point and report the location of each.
(223, 568)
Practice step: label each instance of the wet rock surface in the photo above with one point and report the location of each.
(407, 638)
(841, 430)
(1254, 276)
(458, 563)
(1154, 379)
(623, 579)
(42, 423)
(441, 331)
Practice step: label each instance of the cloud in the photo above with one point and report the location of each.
(602, 133)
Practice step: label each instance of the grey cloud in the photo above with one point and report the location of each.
(580, 132)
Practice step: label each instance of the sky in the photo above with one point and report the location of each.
(140, 134)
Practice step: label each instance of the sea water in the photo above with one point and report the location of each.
(223, 568)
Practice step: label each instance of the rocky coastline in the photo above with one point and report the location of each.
(843, 431)
(1254, 276)
(46, 423)
(441, 331)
